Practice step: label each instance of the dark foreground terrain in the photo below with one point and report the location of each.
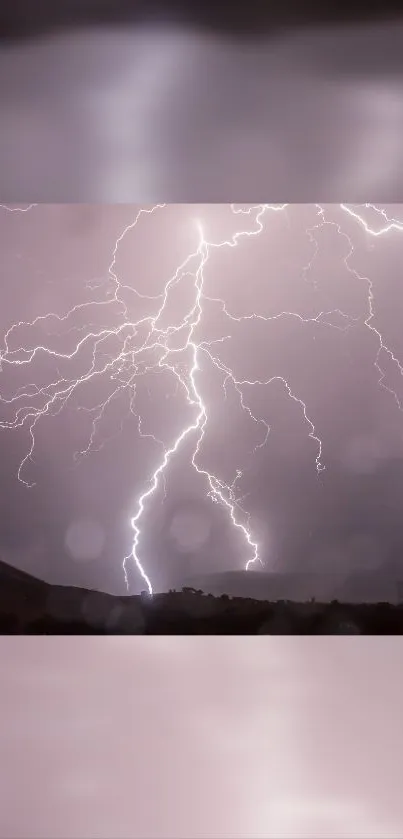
(30, 606)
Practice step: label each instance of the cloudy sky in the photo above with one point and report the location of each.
(278, 296)
(199, 737)
(185, 112)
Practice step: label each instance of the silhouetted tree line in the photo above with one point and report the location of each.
(190, 612)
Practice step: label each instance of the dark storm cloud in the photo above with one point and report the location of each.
(19, 19)
(183, 111)
(73, 526)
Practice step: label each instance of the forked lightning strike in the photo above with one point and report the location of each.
(17, 209)
(145, 346)
(388, 226)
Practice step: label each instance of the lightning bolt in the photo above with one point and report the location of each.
(17, 209)
(388, 225)
(125, 350)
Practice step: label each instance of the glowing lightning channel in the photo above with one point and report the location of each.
(147, 346)
(219, 491)
(17, 209)
(388, 226)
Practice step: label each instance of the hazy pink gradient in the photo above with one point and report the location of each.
(177, 115)
(136, 737)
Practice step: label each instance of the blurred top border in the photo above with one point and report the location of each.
(172, 101)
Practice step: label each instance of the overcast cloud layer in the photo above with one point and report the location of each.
(154, 738)
(179, 113)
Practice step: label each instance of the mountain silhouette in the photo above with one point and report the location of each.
(31, 606)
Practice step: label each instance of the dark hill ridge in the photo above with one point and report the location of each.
(356, 587)
(30, 606)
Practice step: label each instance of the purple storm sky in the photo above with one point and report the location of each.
(179, 113)
(273, 305)
(200, 737)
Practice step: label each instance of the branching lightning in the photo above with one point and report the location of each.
(387, 226)
(132, 349)
(17, 209)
